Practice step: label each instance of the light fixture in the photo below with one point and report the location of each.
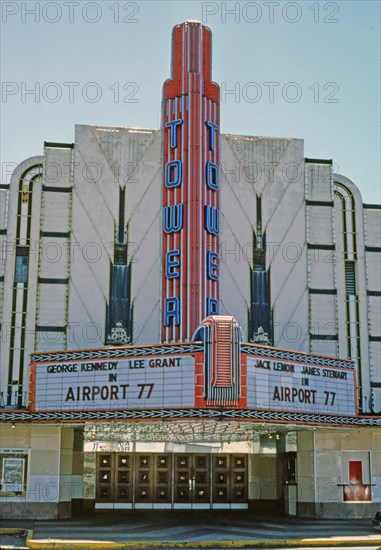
(277, 437)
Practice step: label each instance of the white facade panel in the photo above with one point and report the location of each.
(323, 314)
(146, 291)
(321, 266)
(3, 253)
(375, 373)
(375, 360)
(3, 207)
(320, 225)
(46, 340)
(55, 210)
(237, 230)
(53, 258)
(272, 169)
(58, 167)
(373, 262)
(375, 315)
(287, 248)
(95, 190)
(143, 215)
(319, 186)
(52, 304)
(124, 149)
(291, 325)
(372, 220)
(86, 318)
(324, 347)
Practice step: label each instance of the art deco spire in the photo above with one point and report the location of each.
(191, 215)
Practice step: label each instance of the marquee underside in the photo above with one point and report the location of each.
(232, 422)
(185, 431)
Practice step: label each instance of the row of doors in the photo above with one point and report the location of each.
(164, 480)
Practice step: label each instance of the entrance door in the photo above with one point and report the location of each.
(165, 480)
(192, 481)
(153, 480)
(229, 480)
(114, 480)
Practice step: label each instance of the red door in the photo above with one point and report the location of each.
(356, 491)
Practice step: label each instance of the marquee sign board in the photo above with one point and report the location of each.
(175, 380)
(130, 383)
(290, 386)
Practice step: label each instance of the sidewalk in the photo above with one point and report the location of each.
(143, 529)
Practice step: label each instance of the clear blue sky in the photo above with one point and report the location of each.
(321, 58)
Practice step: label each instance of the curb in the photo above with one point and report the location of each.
(48, 544)
(59, 544)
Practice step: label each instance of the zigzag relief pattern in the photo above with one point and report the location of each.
(187, 348)
(244, 414)
(294, 356)
(114, 353)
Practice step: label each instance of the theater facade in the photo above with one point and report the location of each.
(189, 320)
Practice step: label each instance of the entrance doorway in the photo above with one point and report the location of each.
(165, 480)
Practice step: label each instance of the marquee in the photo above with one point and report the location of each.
(194, 376)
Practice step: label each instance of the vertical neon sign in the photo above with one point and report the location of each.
(191, 213)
